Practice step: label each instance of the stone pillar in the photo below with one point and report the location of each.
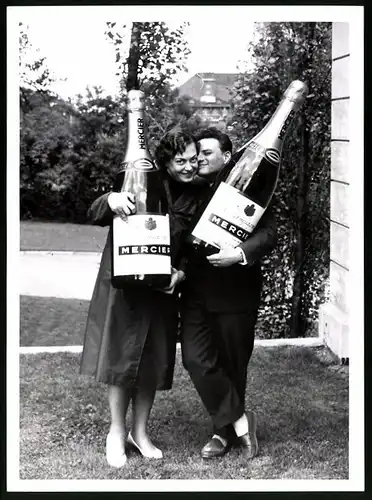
(333, 316)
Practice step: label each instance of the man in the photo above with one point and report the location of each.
(219, 306)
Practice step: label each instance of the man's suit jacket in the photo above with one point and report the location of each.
(236, 288)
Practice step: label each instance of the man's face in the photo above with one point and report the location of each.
(211, 159)
(184, 165)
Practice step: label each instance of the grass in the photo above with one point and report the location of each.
(60, 236)
(52, 321)
(300, 396)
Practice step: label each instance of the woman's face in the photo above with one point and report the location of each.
(184, 166)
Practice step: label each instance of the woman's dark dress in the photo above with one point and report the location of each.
(136, 325)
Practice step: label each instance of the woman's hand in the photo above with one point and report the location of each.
(122, 204)
(176, 277)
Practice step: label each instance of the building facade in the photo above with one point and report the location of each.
(210, 96)
(334, 315)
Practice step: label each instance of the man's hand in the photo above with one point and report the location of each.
(225, 258)
(122, 204)
(176, 277)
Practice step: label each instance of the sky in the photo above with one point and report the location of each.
(72, 37)
(76, 47)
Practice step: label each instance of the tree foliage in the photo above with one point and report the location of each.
(69, 153)
(156, 51)
(296, 273)
(33, 70)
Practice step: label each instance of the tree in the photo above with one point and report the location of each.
(99, 145)
(33, 69)
(69, 154)
(46, 139)
(156, 53)
(297, 271)
(134, 57)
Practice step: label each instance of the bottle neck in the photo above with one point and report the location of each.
(136, 142)
(274, 132)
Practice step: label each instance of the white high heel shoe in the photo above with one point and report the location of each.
(115, 450)
(156, 453)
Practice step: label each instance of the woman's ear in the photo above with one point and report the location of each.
(227, 157)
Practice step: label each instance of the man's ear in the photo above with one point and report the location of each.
(227, 157)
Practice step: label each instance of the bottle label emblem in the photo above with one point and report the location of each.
(150, 224)
(250, 210)
(229, 218)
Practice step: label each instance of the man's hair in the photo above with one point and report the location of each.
(215, 133)
(172, 143)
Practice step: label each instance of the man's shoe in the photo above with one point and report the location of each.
(214, 448)
(249, 441)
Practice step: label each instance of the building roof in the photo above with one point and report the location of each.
(223, 83)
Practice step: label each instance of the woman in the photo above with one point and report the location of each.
(130, 337)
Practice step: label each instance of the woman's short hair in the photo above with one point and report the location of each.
(172, 143)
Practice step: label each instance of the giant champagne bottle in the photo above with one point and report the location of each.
(241, 199)
(141, 244)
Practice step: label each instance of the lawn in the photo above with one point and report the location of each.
(53, 321)
(62, 236)
(300, 396)
(50, 321)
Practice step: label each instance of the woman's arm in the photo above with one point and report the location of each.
(109, 204)
(100, 213)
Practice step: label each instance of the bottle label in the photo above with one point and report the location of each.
(286, 125)
(141, 133)
(228, 219)
(255, 152)
(141, 245)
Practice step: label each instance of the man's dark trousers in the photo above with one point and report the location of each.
(217, 337)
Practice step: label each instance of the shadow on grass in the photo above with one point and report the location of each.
(299, 394)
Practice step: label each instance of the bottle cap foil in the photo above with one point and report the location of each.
(135, 100)
(296, 92)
